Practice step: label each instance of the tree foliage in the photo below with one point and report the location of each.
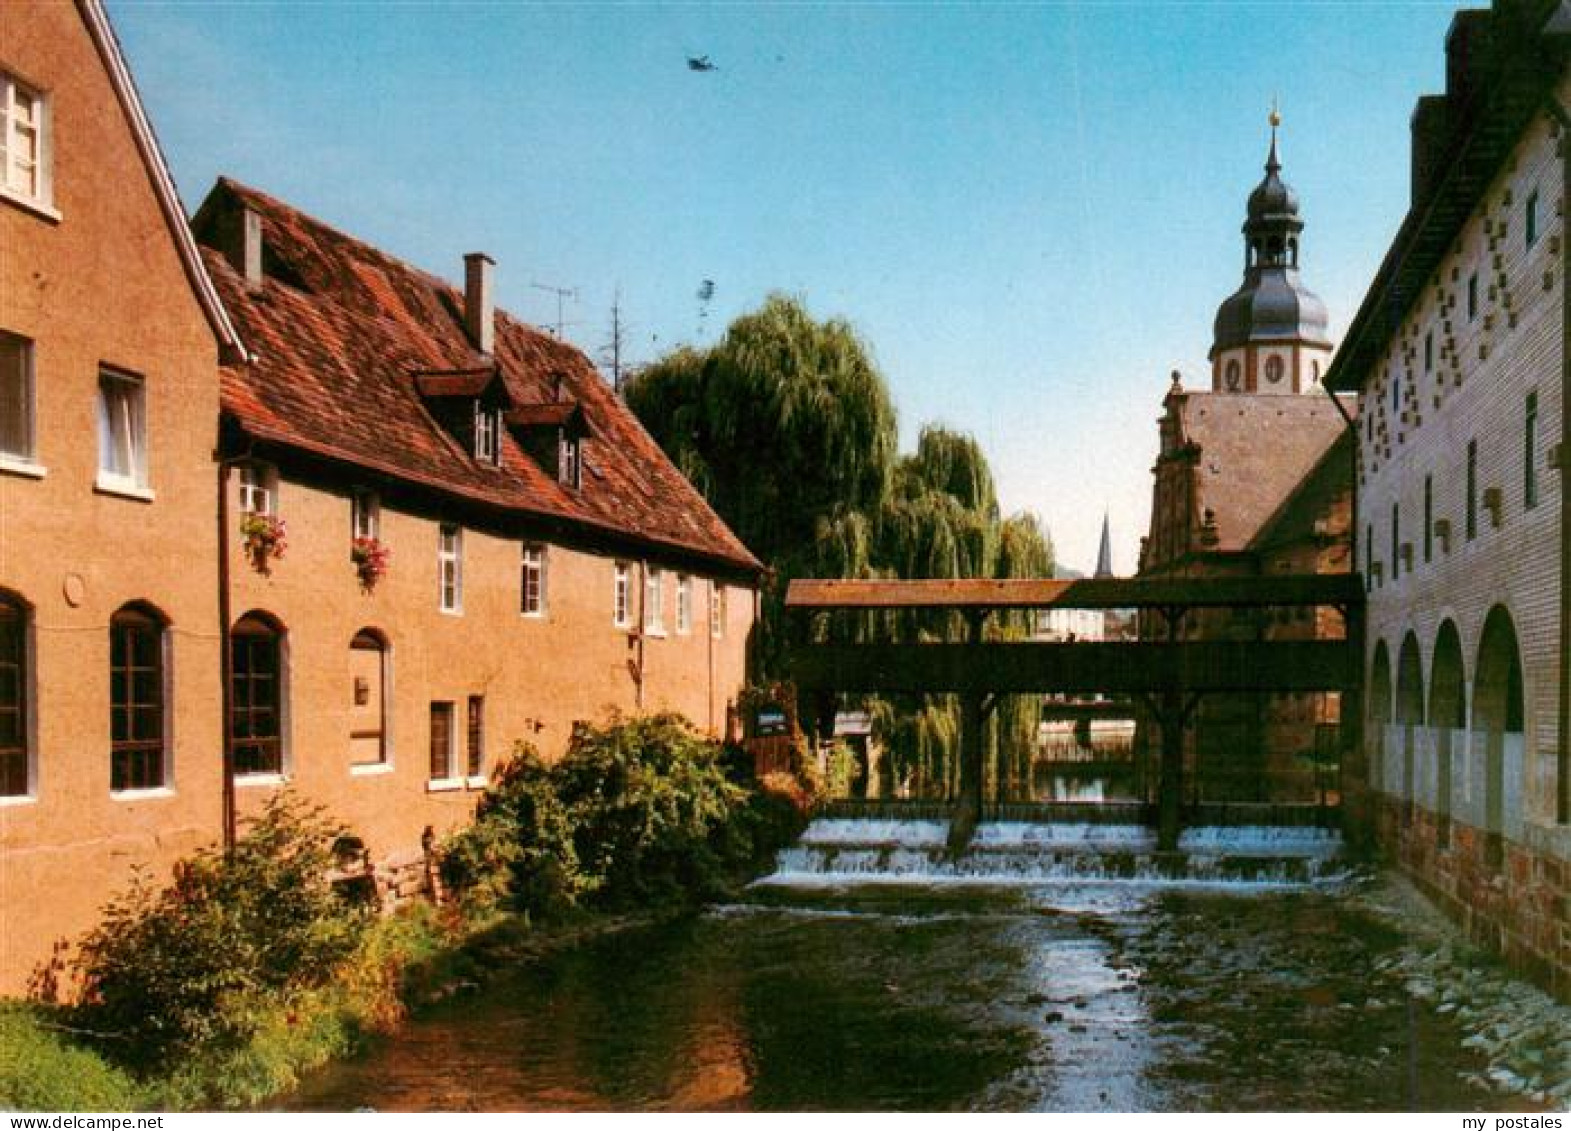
(172, 970)
(640, 812)
(788, 428)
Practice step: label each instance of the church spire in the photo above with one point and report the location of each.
(1272, 164)
(1270, 336)
(1104, 555)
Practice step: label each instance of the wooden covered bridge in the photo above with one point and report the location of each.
(1168, 675)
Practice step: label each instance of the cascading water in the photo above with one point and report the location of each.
(840, 852)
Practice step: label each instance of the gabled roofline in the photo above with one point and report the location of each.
(103, 35)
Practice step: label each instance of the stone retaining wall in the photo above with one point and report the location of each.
(1518, 908)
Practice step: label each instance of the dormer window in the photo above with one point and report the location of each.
(553, 435)
(570, 461)
(487, 433)
(469, 404)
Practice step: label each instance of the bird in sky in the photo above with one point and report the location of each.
(700, 63)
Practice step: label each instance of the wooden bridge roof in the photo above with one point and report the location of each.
(807, 594)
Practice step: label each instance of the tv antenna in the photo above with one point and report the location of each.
(562, 295)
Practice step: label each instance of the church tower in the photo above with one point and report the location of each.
(1270, 335)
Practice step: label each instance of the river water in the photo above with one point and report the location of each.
(1057, 995)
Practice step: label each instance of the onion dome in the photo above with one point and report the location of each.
(1272, 304)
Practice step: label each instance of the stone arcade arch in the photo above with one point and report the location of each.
(1379, 713)
(1498, 712)
(1410, 717)
(1448, 719)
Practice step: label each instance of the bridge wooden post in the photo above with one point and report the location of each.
(973, 753)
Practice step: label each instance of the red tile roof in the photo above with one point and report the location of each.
(463, 383)
(339, 331)
(555, 414)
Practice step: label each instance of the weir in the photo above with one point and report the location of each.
(846, 852)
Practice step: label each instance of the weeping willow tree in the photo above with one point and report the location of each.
(1024, 550)
(788, 429)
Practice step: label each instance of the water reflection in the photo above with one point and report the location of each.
(1062, 998)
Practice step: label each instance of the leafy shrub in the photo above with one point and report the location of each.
(43, 1069)
(840, 770)
(647, 795)
(187, 967)
(520, 848)
(639, 812)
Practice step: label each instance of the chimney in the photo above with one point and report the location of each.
(1431, 131)
(479, 304)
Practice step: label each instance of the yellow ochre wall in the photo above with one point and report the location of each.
(538, 674)
(102, 284)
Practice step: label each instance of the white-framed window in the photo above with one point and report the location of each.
(654, 599)
(487, 439)
(716, 609)
(621, 596)
(16, 399)
(24, 141)
(684, 604)
(450, 568)
(365, 514)
(258, 489)
(531, 587)
(570, 463)
(122, 431)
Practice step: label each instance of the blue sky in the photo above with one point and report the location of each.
(1029, 211)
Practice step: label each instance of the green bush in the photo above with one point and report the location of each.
(44, 1068)
(519, 850)
(840, 770)
(648, 794)
(639, 812)
(192, 965)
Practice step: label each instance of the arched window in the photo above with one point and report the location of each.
(256, 720)
(138, 758)
(368, 707)
(15, 680)
(1448, 717)
(1274, 369)
(1232, 376)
